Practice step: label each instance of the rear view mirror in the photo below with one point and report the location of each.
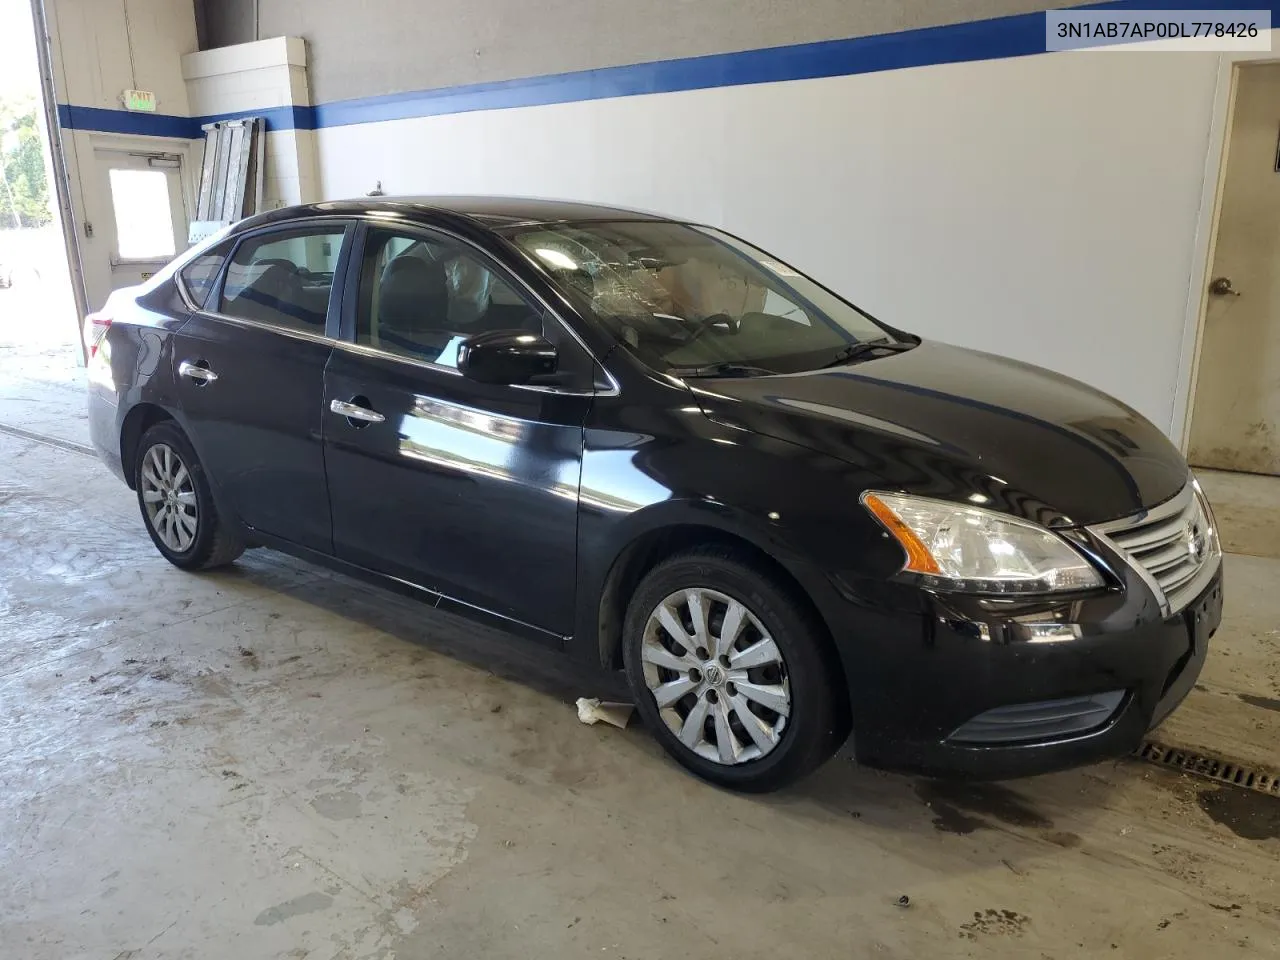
(506, 357)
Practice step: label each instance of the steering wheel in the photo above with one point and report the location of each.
(277, 262)
(701, 327)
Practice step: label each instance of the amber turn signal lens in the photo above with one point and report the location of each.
(919, 559)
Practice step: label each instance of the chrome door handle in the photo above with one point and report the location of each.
(353, 411)
(196, 372)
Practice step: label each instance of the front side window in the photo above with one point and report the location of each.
(283, 278)
(421, 297)
(688, 299)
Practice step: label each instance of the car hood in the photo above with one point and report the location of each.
(961, 425)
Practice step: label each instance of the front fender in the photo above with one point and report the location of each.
(794, 505)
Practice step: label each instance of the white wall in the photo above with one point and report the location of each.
(1041, 207)
(248, 76)
(97, 55)
(261, 76)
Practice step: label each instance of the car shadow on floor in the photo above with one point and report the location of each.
(503, 654)
(841, 792)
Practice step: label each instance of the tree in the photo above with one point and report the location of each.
(22, 160)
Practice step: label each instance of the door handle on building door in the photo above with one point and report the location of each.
(1221, 287)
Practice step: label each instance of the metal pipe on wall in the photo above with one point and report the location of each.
(61, 178)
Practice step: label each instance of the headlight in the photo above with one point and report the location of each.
(1205, 507)
(971, 550)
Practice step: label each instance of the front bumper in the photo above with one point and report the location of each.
(919, 681)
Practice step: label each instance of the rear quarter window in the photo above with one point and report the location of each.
(200, 275)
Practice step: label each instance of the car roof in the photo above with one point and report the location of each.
(490, 212)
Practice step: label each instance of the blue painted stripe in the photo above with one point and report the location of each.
(1000, 38)
(277, 118)
(98, 120)
(990, 39)
(124, 121)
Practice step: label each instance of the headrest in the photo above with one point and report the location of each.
(414, 295)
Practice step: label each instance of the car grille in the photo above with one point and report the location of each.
(1173, 546)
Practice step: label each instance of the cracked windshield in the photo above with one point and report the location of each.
(694, 301)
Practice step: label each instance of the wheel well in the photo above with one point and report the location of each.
(138, 421)
(651, 549)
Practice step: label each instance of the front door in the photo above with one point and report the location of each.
(465, 488)
(250, 374)
(148, 225)
(1235, 423)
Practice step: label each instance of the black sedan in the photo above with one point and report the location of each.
(656, 448)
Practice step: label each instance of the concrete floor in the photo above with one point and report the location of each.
(273, 762)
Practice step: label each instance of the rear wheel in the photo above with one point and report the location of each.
(177, 503)
(730, 671)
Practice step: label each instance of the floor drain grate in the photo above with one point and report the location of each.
(1214, 768)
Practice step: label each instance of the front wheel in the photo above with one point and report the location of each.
(177, 503)
(731, 672)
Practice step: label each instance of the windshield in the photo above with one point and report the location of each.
(695, 301)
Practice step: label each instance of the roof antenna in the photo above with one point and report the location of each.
(376, 191)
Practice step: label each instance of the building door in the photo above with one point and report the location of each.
(148, 223)
(1235, 420)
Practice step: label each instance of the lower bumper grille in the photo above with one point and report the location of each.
(1041, 720)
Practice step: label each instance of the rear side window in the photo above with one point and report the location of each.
(200, 274)
(283, 279)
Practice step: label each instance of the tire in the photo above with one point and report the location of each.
(787, 746)
(197, 538)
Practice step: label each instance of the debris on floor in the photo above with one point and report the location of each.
(591, 710)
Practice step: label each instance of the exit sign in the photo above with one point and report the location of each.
(143, 100)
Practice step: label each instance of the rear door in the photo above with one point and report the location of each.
(250, 372)
(466, 488)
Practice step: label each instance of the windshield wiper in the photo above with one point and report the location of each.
(726, 369)
(854, 351)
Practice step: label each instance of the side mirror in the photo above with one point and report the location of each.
(506, 357)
